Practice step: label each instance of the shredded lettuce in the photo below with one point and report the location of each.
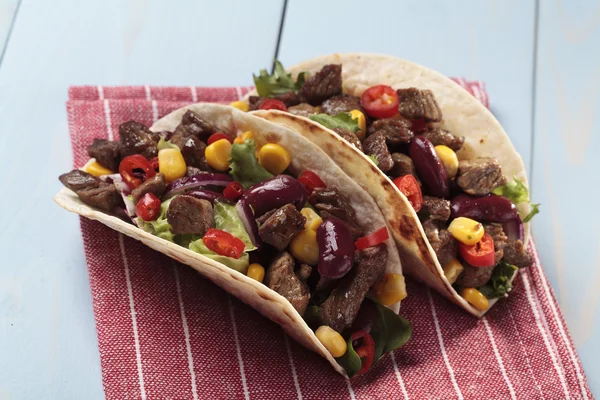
(517, 192)
(240, 264)
(279, 82)
(245, 167)
(341, 121)
(166, 144)
(159, 227)
(228, 220)
(499, 284)
(373, 158)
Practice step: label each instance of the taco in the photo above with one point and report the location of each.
(263, 213)
(438, 164)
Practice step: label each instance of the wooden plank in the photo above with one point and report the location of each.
(567, 131)
(489, 41)
(48, 347)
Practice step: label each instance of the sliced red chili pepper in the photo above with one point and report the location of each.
(218, 136)
(480, 254)
(311, 181)
(129, 164)
(379, 236)
(273, 104)
(223, 243)
(148, 207)
(409, 187)
(364, 347)
(380, 101)
(154, 163)
(233, 190)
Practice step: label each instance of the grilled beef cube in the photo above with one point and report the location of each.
(106, 152)
(438, 136)
(304, 272)
(302, 109)
(375, 146)
(516, 254)
(92, 190)
(396, 130)
(341, 104)
(341, 307)
(499, 238)
(417, 104)
(479, 176)
(330, 203)
(281, 278)
(155, 185)
(189, 215)
(192, 125)
(403, 165)
(435, 208)
(441, 240)
(136, 138)
(322, 85)
(475, 276)
(350, 137)
(281, 226)
(192, 150)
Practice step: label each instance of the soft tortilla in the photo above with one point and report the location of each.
(304, 154)
(462, 115)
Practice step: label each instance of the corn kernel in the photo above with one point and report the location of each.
(452, 270)
(274, 158)
(475, 298)
(240, 105)
(256, 272)
(171, 164)
(391, 289)
(97, 169)
(243, 137)
(333, 341)
(304, 247)
(362, 123)
(449, 159)
(466, 230)
(217, 154)
(313, 220)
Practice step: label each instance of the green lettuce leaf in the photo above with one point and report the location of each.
(159, 227)
(341, 121)
(166, 144)
(517, 192)
(373, 158)
(240, 264)
(228, 220)
(535, 209)
(279, 82)
(350, 361)
(499, 284)
(244, 166)
(391, 331)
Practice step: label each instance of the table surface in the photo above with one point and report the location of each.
(539, 59)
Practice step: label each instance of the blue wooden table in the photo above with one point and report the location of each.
(539, 60)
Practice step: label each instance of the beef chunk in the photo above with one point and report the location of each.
(323, 85)
(396, 130)
(438, 136)
(516, 254)
(341, 307)
(341, 104)
(106, 152)
(499, 238)
(304, 272)
(155, 185)
(475, 276)
(375, 146)
(303, 110)
(192, 125)
(189, 215)
(350, 137)
(192, 150)
(479, 176)
(330, 203)
(435, 208)
(403, 165)
(417, 104)
(92, 190)
(136, 138)
(281, 226)
(191, 171)
(441, 240)
(281, 278)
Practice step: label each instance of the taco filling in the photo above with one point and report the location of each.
(468, 208)
(226, 198)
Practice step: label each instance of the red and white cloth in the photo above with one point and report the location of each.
(164, 332)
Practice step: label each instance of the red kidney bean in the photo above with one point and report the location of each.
(429, 167)
(336, 248)
(491, 208)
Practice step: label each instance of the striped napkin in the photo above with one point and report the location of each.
(164, 332)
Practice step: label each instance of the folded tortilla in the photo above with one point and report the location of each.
(305, 155)
(462, 114)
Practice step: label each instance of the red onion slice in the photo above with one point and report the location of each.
(184, 184)
(514, 229)
(247, 216)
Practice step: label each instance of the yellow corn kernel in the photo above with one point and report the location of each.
(466, 230)
(97, 169)
(217, 154)
(362, 123)
(452, 270)
(240, 105)
(448, 158)
(171, 164)
(256, 272)
(274, 158)
(243, 137)
(333, 341)
(304, 247)
(475, 298)
(391, 289)
(313, 220)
